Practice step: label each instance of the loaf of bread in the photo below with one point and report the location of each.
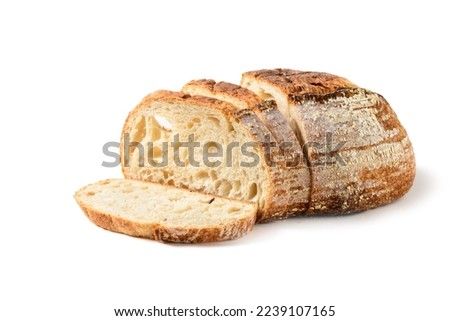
(283, 143)
(164, 213)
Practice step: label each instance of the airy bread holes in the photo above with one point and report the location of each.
(230, 127)
(163, 122)
(183, 153)
(183, 210)
(214, 120)
(252, 191)
(156, 152)
(155, 133)
(233, 210)
(139, 130)
(212, 147)
(160, 127)
(264, 95)
(225, 188)
(167, 174)
(213, 175)
(201, 175)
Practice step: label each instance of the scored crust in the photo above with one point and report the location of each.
(239, 95)
(378, 160)
(380, 163)
(295, 82)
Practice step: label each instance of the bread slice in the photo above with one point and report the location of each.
(374, 164)
(266, 110)
(157, 133)
(164, 213)
(290, 160)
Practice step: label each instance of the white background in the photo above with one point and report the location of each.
(71, 71)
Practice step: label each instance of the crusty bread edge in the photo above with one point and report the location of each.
(159, 232)
(222, 89)
(297, 82)
(162, 233)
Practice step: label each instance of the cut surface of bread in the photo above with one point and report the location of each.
(164, 213)
(289, 156)
(203, 144)
(359, 154)
(266, 110)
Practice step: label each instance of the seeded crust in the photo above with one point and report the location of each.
(279, 192)
(375, 165)
(290, 161)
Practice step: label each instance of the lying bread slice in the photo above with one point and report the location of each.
(290, 161)
(206, 145)
(359, 154)
(164, 213)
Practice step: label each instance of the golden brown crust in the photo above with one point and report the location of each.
(376, 163)
(163, 233)
(239, 94)
(294, 82)
(173, 97)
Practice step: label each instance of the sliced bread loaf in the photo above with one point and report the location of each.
(358, 152)
(164, 213)
(204, 144)
(290, 161)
